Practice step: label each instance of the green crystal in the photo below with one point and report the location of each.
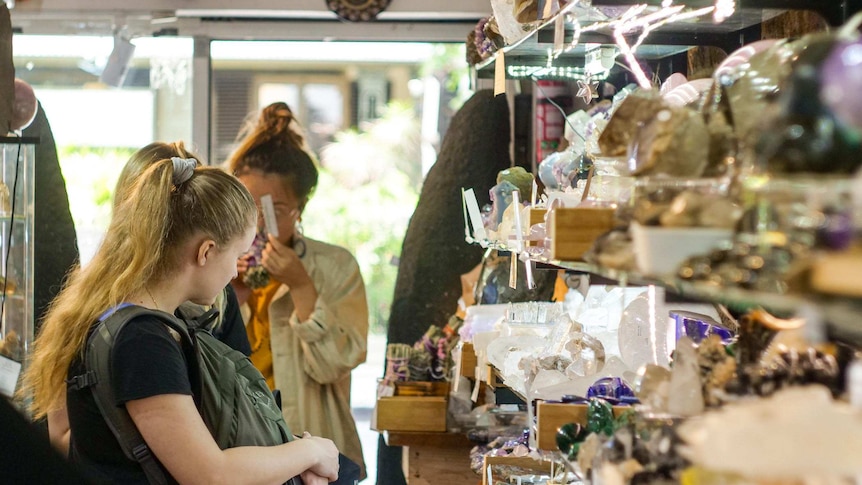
(600, 417)
(520, 178)
(569, 438)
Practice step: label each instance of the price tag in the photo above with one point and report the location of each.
(456, 355)
(474, 396)
(269, 215)
(500, 73)
(9, 372)
(475, 215)
(559, 33)
(548, 9)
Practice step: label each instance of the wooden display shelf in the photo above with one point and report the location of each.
(840, 312)
(434, 458)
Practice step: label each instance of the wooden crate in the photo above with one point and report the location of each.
(519, 461)
(411, 413)
(574, 230)
(416, 406)
(550, 416)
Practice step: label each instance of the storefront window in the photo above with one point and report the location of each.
(366, 116)
(96, 127)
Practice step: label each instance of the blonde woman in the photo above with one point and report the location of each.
(229, 328)
(174, 238)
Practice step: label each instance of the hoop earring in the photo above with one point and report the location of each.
(298, 239)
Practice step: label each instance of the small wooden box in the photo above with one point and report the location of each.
(416, 406)
(519, 461)
(411, 413)
(574, 230)
(468, 360)
(550, 416)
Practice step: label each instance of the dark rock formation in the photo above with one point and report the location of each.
(434, 253)
(55, 243)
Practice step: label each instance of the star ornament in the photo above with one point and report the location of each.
(587, 90)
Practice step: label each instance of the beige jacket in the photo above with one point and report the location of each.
(312, 360)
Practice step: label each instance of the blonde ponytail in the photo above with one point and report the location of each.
(141, 247)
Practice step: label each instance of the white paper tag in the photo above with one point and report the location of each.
(559, 33)
(269, 215)
(475, 216)
(519, 228)
(385, 390)
(548, 9)
(9, 372)
(500, 73)
(467, 234)
(456, 356)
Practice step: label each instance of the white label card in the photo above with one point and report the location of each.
(475, 215)
(559, 33)
(9, 372)
(500, 73)
(269, 215)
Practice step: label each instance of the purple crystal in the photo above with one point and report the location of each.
(698, 327)
(837, 230)
(841, 75)
(611, 387)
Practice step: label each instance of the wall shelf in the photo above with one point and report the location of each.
(841, 314)
(535, 48)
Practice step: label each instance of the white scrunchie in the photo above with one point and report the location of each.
(184, 168)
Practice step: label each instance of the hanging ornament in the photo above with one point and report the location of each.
(24, 107)
(587, 90)
(357, 10)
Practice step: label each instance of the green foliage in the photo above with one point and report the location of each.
(449, 65)
(91, 174)
(366, 195)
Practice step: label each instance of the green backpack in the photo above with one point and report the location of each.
(231, 394)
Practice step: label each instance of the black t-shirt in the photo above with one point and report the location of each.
(146, 361)
(232, 329)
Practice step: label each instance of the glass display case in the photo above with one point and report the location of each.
(16, 258)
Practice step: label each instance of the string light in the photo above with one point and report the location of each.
(636, 19)
(553, 72)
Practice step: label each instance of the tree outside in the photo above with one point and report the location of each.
(369, 185)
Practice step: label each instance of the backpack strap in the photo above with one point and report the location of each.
(207, 317)
(207, 321)
(97, 362)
